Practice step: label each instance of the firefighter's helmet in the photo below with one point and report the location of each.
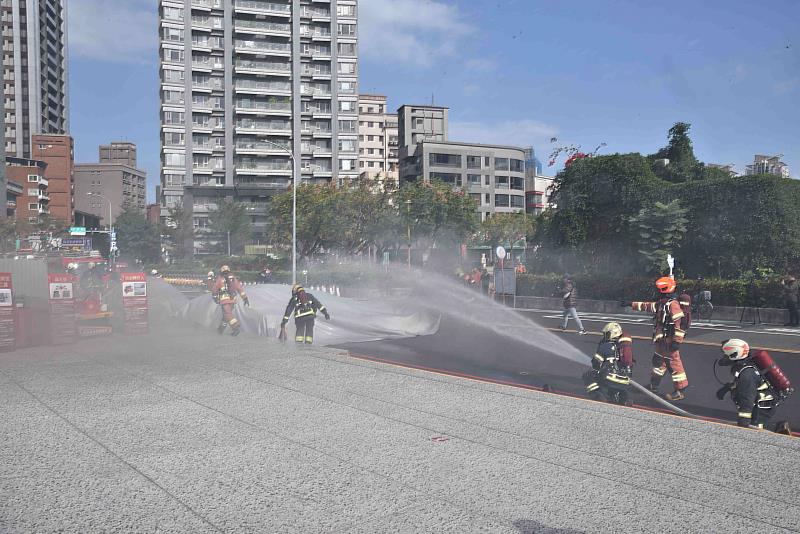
(297, 288)
(666, 285)
(612, 331)
(224, 269)
(735, 349)
(210, 274)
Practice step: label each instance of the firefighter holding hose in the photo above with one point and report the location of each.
(669, 323)
(612, 364)
(305, 306)
(758, 386)
(225, 290)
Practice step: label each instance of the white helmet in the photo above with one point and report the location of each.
(211, 274)
(154, 272)
(735, 349)
(612, 331)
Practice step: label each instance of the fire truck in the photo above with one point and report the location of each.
(94, 282)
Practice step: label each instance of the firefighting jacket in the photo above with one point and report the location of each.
(613, 359)
(749, 390)
(667, 318)
(309, 309)
(227, 288)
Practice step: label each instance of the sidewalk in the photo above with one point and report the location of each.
(193, 432)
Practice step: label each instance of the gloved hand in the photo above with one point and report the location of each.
(246, 301)
(724, 390)
(282, 333)
(327, 316)
(625, 303)
(674, 346)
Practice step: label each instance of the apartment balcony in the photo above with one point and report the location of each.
(264, 108)
(263, 88)
(261, 185)
(204, 5)
(263, 128)
(260, 148)
(316, 92)
(204, 148)
(246, 66)
(43, 210)
(262, 47)
(317, 74)
(202, 87)
(260, 7)
(263, 169)
(316, 14)
(261, 27)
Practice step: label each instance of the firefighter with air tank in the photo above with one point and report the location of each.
(610, 375)
(225, 290)
(669, 329)
(305, 306)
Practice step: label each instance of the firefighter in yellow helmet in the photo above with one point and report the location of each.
(305, 306)
(225, 290)
(668, 333)
(610, 375)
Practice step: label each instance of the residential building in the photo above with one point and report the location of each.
(493, 175)
(246, 83)
(537, 194)
(115, 183)
(57, 151)
(768, 165)
(34, 36)
(377, 141)
(154, 214)
(14, 190)
(3, 186)
(87, 220)
(728, 168)
(33, 201)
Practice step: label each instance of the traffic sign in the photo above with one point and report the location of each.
(77, 231)
(501, 253)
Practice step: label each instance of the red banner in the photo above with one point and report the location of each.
(61, 290)
(8, 327)
(134, 302)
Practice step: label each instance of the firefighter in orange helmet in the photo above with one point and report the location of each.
(669, 324)
(226, 288)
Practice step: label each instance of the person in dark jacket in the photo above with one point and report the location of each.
(610, 375)
(791, 297)
(752, 394)
(569, 297)
(305, 306)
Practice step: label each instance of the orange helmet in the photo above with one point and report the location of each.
(665, 284)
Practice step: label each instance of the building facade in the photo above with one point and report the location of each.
(114, 183)
(538, 190)
(57, 151)
(33, 201)
(246, 83)
(493, 175)
(34, 36)
(767, 165)
(377, 141)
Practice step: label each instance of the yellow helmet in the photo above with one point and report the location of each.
(297, 288)
(612, 331)
(224, 269)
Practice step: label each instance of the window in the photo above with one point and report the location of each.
(486, 161)
(175, 118)
(347, 30)
(174, 138)
(501, 164)
(345, 11)
(173, 76)
(347, 49)
(517, 165)
(501, 201)
(487, 198)
(174, 179)
(474, 179)
(33, 207)
(473, 162)
(173, 55)
(174, 160)
(172, 34)
(347, 106)
(173, 97)
(33, 178)
(347, 145)
(347, 164)
(445, 160)
(501, 182)
(446, 177)
(487, 180)
(518, 183)
(371, 164)
(517, 201)
(173, 13)
(347, 88)
(476, 198)
(348, 126)
(347, 68)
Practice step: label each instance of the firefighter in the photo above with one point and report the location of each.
(211, 279)
(305, 307)
(610, 376)
(225, 290)
(749, 390)
(669, 323)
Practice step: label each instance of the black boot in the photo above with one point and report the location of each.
(221, 328)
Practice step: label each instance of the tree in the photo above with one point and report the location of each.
(436, 212)
(683, 166)
(317, 225)
(365, 218)
(137, 238)
(179, 231)
(8, 235)
(228, 224)
(504, 228)
(661, 228)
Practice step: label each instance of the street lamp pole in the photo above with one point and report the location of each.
(408, 228)
(110, 225)
(295, 174)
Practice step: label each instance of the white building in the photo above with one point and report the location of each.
(377, 141)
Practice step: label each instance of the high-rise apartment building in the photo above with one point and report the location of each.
(57, 152)
(377, 141)
(34, 37)
(115, 183)
(245, 85)
(492, 175)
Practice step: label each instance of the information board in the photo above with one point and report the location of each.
(134, 302)
(61, 291)
(8, 327)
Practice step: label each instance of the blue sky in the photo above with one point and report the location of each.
(511, 71)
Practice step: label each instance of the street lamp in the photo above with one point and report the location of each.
(110, 226)
(294, 206)
(408, 228)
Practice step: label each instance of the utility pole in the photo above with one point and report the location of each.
(408, 228)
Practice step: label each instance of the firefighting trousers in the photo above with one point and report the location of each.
(228, 317)
(304, 329)
(665, 360)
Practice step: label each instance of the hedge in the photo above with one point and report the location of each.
(743, 292)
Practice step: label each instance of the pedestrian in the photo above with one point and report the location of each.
(790, 297)
(569, 299)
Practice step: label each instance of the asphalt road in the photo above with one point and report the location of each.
(485, 355)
